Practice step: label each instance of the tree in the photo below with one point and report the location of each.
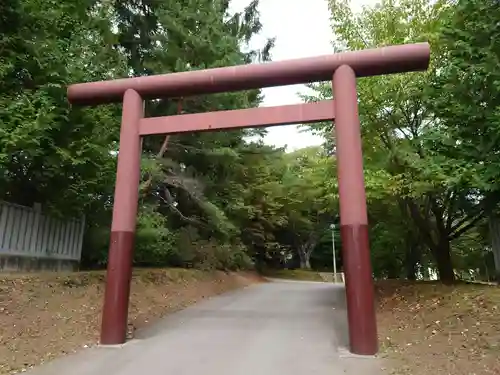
(396, 117)
(468, 116)
(226, 200)
(50, 153)
(309, 210)
(64, 157)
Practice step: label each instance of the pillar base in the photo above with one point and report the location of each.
(359, 289)
(118, 277)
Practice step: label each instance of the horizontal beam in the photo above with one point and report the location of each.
(240, 118)
(369, 62)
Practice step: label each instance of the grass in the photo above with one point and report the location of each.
(302, 275)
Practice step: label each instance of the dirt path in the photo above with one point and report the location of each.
(46, 316)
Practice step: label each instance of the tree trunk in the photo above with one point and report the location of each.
(425, 272)
(305, 250)
(442, 254)
(494, 225)
(393, 272)
(305, 264)
(305, 257)
(411, 261)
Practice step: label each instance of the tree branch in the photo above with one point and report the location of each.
(449, 203)
(421, 223)
(467, 227)
(169, 200)
(482, 209)
(438, 215)
(162, 151)
(427, 207)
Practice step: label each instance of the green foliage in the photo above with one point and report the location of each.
(155, 242)
(193, 251)
(429, 138)
(49, 153)
(224, 199)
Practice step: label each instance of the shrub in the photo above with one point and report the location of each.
(192, 251)
(155, 243)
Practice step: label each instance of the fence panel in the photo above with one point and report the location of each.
(27, 232)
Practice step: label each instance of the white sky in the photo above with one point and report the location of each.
(301, 29)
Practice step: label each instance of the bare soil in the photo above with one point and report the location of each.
(43, 316)
(428, 328)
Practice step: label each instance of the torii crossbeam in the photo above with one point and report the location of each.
(342, 69)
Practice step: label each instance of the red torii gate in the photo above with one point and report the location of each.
(342, 69)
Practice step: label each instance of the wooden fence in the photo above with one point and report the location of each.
(27, 232)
